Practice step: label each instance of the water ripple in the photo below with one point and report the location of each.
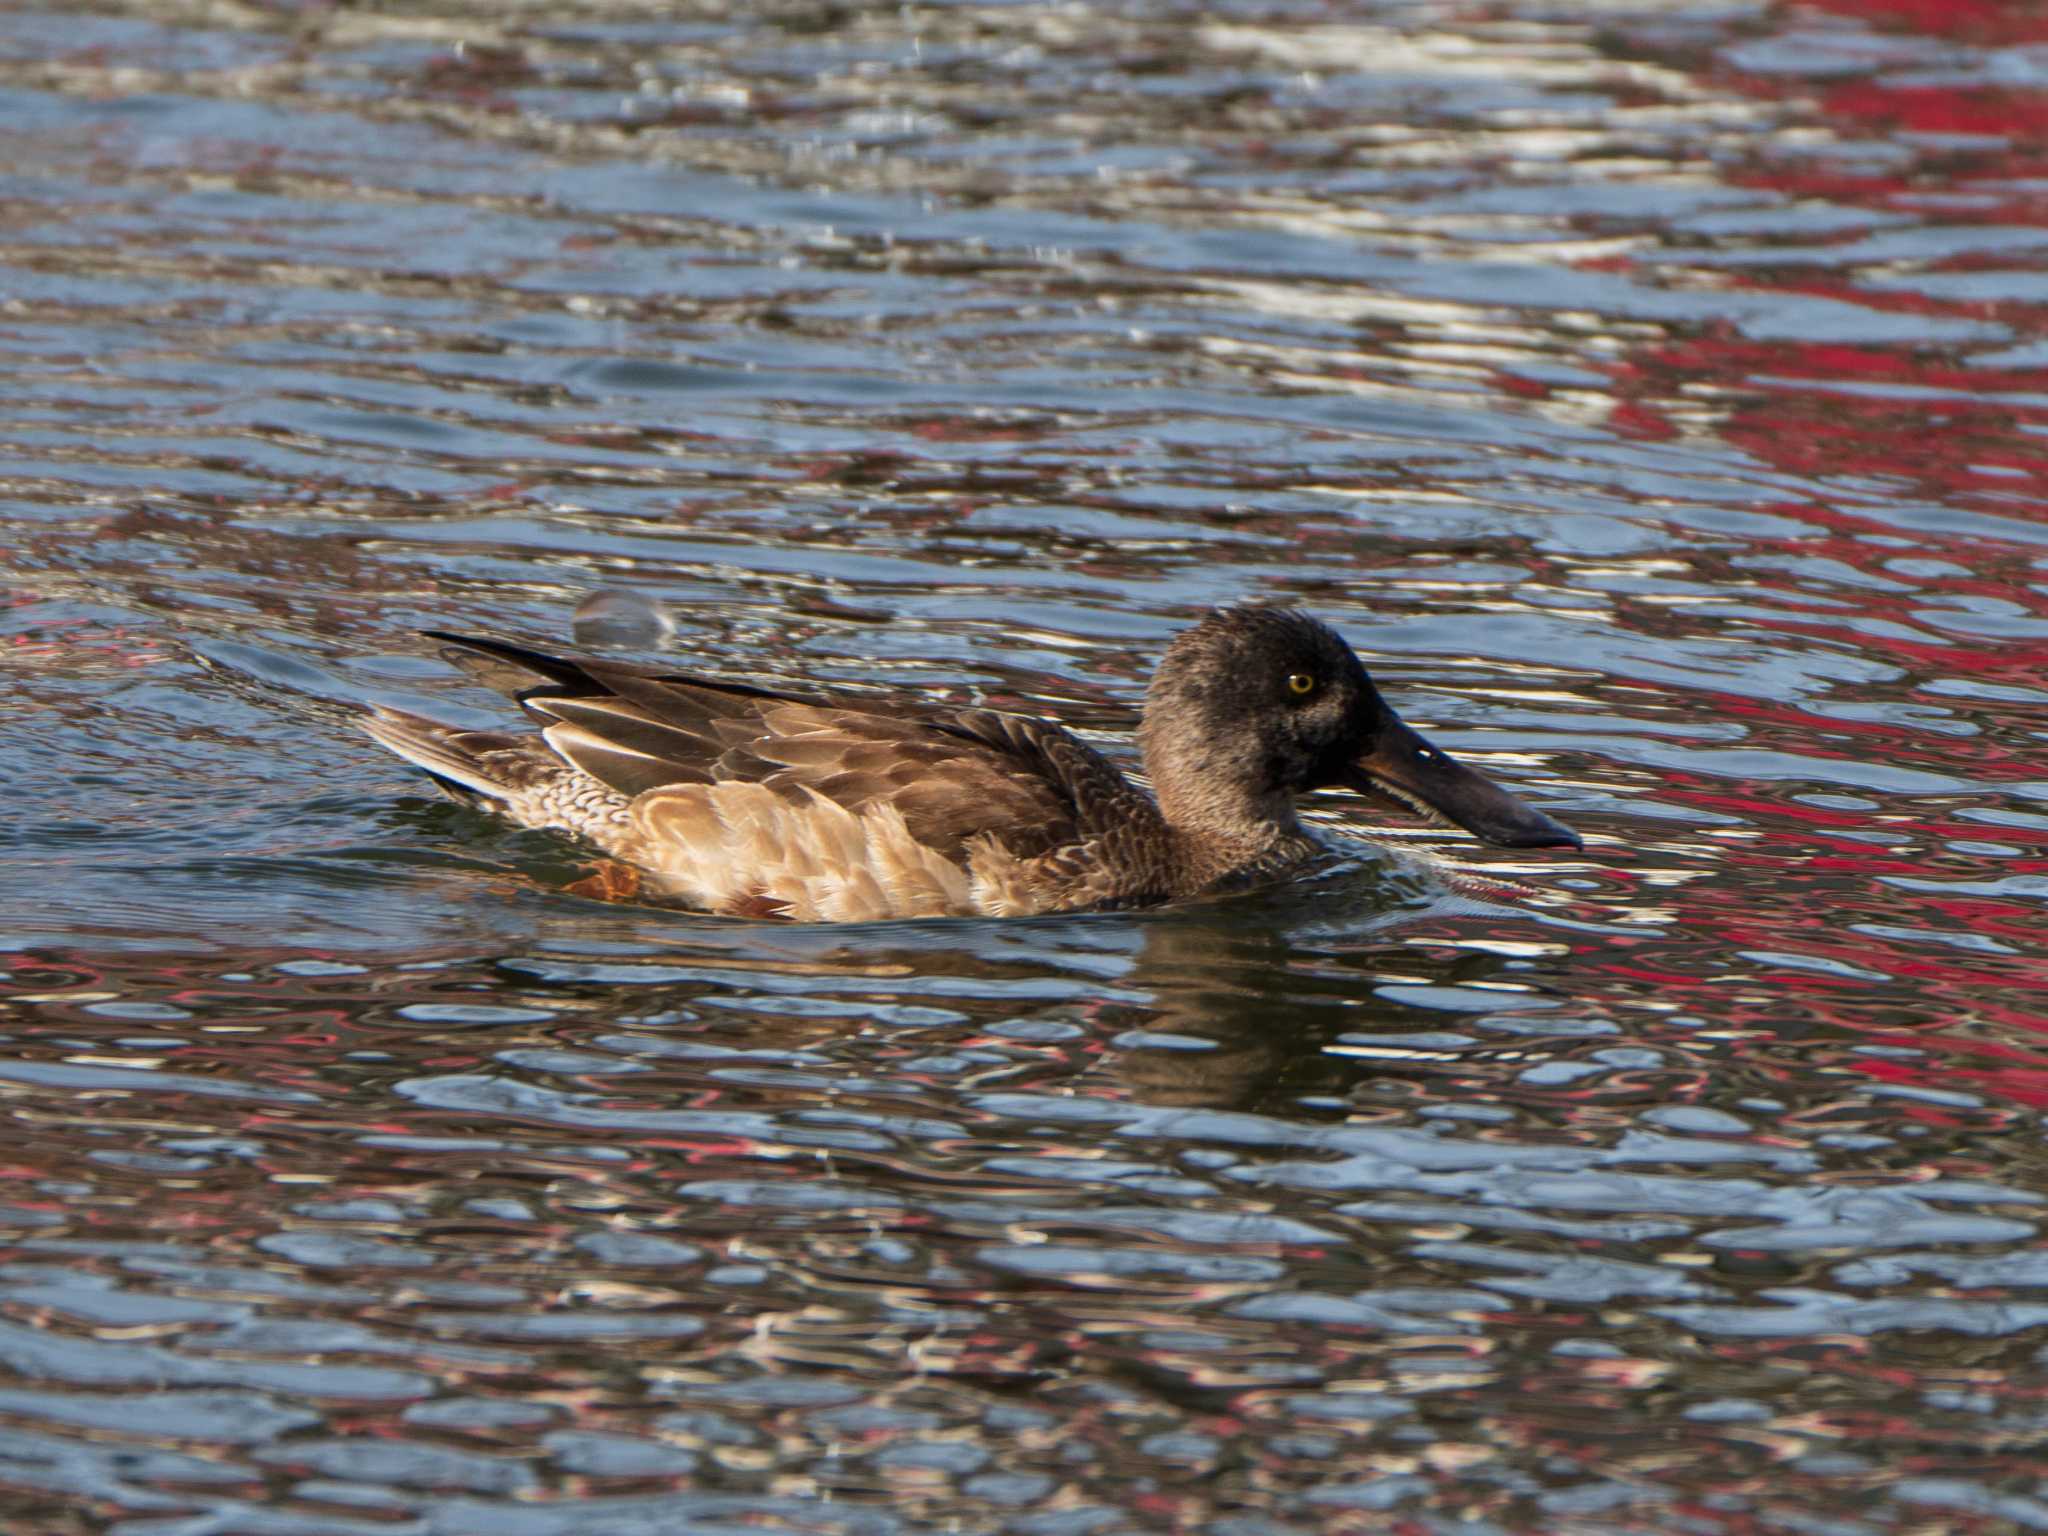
(1657, 406)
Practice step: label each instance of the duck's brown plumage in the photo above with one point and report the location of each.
(853, 808)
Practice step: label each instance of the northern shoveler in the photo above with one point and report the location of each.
(856, 807)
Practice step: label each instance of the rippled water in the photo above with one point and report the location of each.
(1654, 393)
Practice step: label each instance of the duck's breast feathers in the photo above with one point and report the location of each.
(952, 775)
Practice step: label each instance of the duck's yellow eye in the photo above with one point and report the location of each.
(1300, 684)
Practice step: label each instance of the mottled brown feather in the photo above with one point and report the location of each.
(929, 800)
(952, 775)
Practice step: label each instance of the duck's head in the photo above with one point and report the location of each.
(1254, 706)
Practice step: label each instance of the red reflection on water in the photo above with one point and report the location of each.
(1967, 604)
(1945, 429)
(1982, 22)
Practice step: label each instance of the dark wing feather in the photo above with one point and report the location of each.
(578, 676)
(952, 774)
(1102, 798)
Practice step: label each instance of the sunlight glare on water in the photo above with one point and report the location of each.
(1654, 397)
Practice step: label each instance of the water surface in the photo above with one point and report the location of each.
(1656, 401)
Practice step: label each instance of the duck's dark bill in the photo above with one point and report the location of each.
(1405, 768)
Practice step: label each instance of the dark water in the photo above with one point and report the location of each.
(1656, 394)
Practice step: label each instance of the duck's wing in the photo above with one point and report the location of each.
(953, 775)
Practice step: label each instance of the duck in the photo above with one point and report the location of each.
(732, 799)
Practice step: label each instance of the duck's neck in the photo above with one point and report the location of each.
(1212, 799)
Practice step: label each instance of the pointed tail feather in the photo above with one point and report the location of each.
(510, 668)
(469, 765)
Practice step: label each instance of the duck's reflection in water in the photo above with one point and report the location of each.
(1245, 999)
(1232, 1003)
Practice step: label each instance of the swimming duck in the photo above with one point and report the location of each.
(734, 799)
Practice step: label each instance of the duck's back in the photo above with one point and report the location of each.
(741, 800)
